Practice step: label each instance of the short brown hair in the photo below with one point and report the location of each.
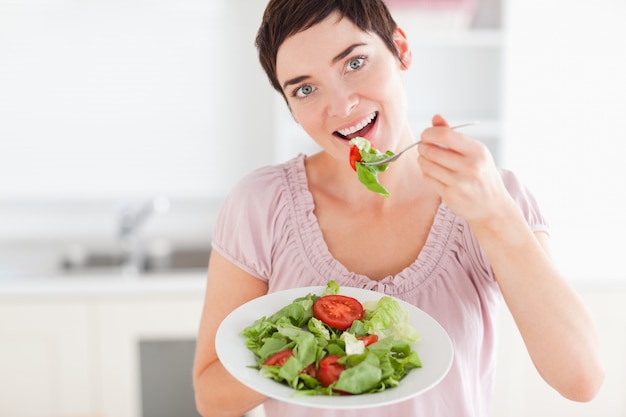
(283, 18)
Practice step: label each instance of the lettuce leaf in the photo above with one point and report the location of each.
(332, 287)
(389, 319)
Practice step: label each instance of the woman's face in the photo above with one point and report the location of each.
(341, 82)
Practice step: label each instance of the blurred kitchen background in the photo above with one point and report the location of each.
(124, 124)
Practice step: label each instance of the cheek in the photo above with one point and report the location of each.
(387, 84)
(307, 118)
(310, 119)
(393, 95)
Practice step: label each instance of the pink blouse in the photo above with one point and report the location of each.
(267, 227)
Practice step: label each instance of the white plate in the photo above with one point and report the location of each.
(434, 349)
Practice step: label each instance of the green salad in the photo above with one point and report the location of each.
(331, 344)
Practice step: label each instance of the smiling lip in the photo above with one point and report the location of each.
(358, 129)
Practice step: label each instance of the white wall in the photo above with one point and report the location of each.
(565, 108)
(112, 99)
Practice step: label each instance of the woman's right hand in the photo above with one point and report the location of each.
(217, 392)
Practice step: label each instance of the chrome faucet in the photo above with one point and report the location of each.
(132, 216)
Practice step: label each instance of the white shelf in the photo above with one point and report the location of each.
(471, 38)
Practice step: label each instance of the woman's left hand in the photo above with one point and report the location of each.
(462, 171)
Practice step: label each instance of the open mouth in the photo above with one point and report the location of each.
(358, 130)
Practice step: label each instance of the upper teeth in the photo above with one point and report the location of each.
(359, 126)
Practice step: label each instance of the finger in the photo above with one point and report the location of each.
(434, 182)
(438, 120)
(449, 139)
(440, 154)
(446, 158)
(434, 171)
(436, 134)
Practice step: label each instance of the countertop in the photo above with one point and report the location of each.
(35, 238)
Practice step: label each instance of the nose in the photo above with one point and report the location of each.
(341, 101)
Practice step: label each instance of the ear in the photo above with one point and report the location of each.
(404, 50)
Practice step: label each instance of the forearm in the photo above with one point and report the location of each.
(555, 325)
(218, 394)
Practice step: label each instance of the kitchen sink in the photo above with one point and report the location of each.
(178, 259)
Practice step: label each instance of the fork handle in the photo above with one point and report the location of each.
(397, 155)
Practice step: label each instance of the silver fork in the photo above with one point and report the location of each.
(397, 155)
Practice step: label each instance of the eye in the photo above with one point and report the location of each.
(355, 63)
(303, 91)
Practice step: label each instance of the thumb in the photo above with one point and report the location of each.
(438, 120)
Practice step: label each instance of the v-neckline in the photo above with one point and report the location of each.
(325, 263)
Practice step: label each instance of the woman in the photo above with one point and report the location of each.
(455, 236)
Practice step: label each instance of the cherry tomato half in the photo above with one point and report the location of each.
(329, 370)
(278, 359)
(355, 156)
(369, 339)
(310, 370)
(337, 311)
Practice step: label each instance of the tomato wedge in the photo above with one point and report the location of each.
(369, 339)
(329, 370)
(338, 311)
(278, 359)
(355, 156)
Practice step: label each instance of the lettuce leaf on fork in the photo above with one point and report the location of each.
(368, 175)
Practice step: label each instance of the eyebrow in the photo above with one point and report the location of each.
(295, 81)
(337, 58)
(346, 52)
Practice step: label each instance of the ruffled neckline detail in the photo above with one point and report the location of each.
(419, 274)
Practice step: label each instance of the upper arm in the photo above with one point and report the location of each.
(228, 287)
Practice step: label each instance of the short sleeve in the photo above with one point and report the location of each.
(525, 201)
(530, 210)
(246, 226)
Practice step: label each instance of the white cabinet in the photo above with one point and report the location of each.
(123, 324)
(47, 359)
(456, 72)
(71, 348)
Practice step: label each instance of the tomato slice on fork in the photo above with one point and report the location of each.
(355, 156)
